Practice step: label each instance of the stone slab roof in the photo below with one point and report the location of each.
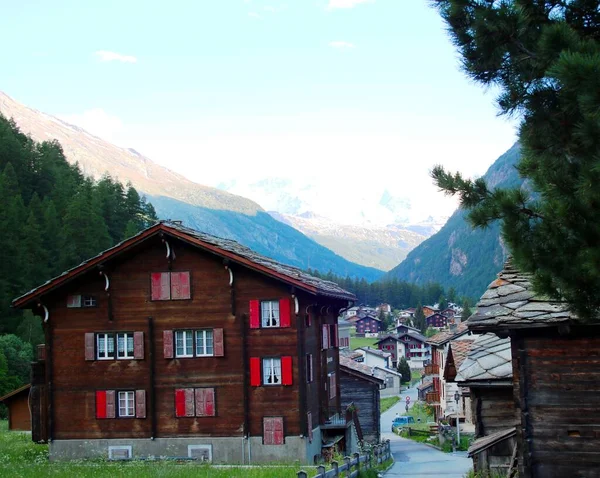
(510, 302)
(447, 335)
(460, 350)
(489, 358)
(361, 368)
(226, 248)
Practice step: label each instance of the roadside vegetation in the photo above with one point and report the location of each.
(357, 342)
(388, 402)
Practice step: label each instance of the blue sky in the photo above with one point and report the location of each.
(236, 90)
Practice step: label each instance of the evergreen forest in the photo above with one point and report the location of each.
(52, 218)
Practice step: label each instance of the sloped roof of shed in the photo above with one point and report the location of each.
(226, 248)
(489, 358)
(361, 368)
(510, 302)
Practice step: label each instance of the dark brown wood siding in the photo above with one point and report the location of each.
(365, 395)
(560, 398)
(493, 409)
(19, 417)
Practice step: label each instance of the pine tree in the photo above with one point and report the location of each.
(544, 57)
(404, 369)
(419, 320)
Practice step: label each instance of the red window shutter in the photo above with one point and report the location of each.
(209, 402)
(255, 371)
(278, 431)
(268, 431)
(200, 398)
(168, 343)
(100, 404)
(189, 402)
(254, 314)
(140, 404)
(110, 404)
(180, 402)
(286, 370)
(180, 285)
(284, 312)
(161, 286)
(218, 343)
(325, 336)
(90, 346)
(309, 426)
(138, 345)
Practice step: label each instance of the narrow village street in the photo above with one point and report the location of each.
(415, 460)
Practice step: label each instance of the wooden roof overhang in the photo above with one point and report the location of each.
(27, 299)
(16, 392)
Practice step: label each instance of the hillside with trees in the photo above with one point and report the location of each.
(52, 218)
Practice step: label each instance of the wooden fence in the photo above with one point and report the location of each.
(353, 465)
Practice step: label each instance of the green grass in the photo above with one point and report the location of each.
(415, 376)
(356, 342)
(20, 457)
(389, 402)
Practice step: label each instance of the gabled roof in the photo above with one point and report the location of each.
(388, 337)
(414, 329)
(457, 353)
(414, 335)
(360, 370)
(447, 335)
(225, 248)
(379, 353)
(23, 389)
(489, 358)
(510, 302)
(424, 385)
(369, 316)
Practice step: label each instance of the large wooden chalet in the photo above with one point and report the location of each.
(175, 343)
(555, 377)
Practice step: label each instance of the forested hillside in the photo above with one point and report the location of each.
(51, 218)
(459, 256)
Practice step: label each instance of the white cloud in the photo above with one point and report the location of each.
(104, 55)
(333, 4)
(254, 15)
(341, 44)
(98, 122)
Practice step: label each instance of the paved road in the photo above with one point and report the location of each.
(415, 460)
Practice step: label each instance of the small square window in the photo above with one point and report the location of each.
(204, 342)
(271, 371)
(184, 345)
(125, 345)
(89, 301)
(73, 301)
(126, 404)
(105, 346)
(269, 313)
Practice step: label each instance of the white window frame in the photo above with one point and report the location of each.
(108, 338)
(120, 448)
(184, 334)
(192, 448)
(88, 301)
(129, 354)
(126, 401)
(269, 313)
(270, 368)
(204, 350)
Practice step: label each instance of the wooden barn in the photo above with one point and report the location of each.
(176, 343)
(360, 386)
(487, 372)
(556, 377)
(17, 402)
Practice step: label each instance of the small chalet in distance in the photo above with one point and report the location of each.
(369, 324)
(177, 343)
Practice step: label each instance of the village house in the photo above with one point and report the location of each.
(457, 409)
(443, 394)
(368, 326)
(417, 350)
(360, 388)
(380, 362)
(556, 371)
(436, 320)
(175, 343)
(487, 374)
(344, 328)
(17, 403)
(394, 346)
(429, 310)
(423, 389)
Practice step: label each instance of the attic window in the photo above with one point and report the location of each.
(78, 301)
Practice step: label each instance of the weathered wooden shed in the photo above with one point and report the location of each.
(360, 385)
(17, 402)
(556, 377)
(487, 372)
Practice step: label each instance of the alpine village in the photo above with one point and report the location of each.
(254, 324)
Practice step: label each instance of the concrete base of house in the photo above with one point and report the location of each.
(232, 450)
